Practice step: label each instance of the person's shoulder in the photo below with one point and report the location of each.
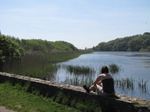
(105, 75)
(102, 75)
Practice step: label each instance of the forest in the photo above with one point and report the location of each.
(140, 43)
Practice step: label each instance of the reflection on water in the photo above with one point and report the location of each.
(133, 79)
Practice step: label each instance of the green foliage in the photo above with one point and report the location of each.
(79, 81)
(16, 98)
(132, 43)
(12, 49)
(61, 45)
(80, 69)
(114, 68)
(39, 65)
(86, 105)
(9, 48)
(47, 46)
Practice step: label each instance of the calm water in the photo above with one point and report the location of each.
(133, 65)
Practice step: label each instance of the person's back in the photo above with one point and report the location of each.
(108, 86)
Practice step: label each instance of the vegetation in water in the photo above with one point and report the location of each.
(123, 83)
(131, 84)
(114, 68)
(80, 69)
(79, 81)
(34, 58)
(143, 85)
(39, 65)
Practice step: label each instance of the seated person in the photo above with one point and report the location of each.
(104, 83)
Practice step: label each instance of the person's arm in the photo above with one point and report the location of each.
(98, 79)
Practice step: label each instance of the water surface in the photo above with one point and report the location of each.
(134, 66)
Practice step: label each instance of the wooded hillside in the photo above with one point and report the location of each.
(13, 48)
(131, 43)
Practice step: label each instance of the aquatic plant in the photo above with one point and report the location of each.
(130, 84)
(39, 64)
(143, 85)
(80, 69)
(114, 68)
(78, 81)
(125, 83)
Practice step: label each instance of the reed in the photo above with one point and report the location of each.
(143, 85)
(125, 83)
(130, 84)
(114, 68)
(39, 64)
(80, 69)
(42, 72)
(79, 81)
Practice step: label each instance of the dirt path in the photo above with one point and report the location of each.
(3, 109)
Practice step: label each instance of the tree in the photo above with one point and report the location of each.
(9, 50)
(132, 43)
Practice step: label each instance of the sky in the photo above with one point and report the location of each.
(84, 23)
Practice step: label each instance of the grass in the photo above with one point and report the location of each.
(86, 105)
(42, 71)
(16, 98)
(38, 64)
(80, 69)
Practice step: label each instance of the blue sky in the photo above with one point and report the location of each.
(84, 23)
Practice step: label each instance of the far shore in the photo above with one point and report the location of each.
(138, 54)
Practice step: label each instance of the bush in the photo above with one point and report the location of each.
(10, 49)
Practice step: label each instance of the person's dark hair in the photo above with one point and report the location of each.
(104, 69)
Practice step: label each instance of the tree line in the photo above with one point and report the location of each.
(132, 43)
(12, 48)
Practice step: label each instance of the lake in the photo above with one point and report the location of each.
(133, 78)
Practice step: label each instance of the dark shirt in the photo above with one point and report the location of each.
(108, 85)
